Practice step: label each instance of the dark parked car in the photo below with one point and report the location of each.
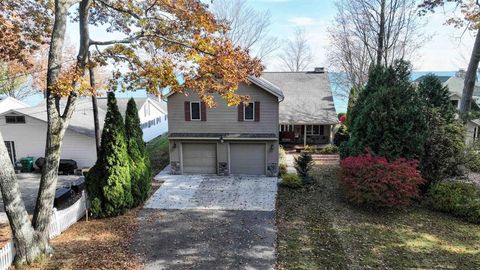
(67, 166)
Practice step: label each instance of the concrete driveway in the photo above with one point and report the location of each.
(29, 183)
(209, 222)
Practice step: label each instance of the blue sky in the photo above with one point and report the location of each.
(445, 51)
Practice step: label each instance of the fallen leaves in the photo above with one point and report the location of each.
(96, 244)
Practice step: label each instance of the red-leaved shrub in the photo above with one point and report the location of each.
(374, 181)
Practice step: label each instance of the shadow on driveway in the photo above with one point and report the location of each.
(206, 239)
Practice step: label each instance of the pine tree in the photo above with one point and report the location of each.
(387, 118)
(436, 96)
(445, 143)
(140, 170)
(108, 182)
(303, 165)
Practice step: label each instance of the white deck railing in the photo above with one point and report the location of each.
(61, 221)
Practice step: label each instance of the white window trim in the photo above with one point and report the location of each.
(312, 129)
(199, 111)
(245, 112)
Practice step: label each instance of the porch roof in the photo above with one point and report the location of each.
(308, 97)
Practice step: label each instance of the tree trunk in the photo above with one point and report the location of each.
(381, 33)
(55, 129)
(26, 245)
(95, 108)
(471, 76)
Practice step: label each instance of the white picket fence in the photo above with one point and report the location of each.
(61, 221)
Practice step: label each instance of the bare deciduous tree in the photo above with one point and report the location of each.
(296, 55)
(369, 32)
(249, 28)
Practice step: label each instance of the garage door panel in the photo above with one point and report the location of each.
(247, 158)
(199, 158)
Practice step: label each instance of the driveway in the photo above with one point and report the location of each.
(209, 222)
(29, 183)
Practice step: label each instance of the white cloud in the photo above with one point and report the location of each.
(302, 21)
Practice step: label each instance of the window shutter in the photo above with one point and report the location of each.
(187, 111)
(257, 111)
(203, 111)
(241, 107)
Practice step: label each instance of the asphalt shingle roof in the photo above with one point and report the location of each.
(308, 97)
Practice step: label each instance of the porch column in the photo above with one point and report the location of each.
(304, 135)
(331, 134)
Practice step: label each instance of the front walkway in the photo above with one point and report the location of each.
(209, 222)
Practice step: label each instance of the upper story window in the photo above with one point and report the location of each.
(249, 112)
(146, 109)
(15, 119)
(195, 110)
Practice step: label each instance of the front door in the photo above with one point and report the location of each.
(11, 151)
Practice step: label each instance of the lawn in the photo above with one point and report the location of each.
(318, 230)
(158, 151)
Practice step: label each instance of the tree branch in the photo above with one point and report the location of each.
(119, 9)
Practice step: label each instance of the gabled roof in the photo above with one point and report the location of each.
(82, 119)
(140, 101)
(260, 82)
(308, 97)
(8, 103)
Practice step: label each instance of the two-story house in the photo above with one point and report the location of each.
(225, 140)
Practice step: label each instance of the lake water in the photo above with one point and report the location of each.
(340, 102)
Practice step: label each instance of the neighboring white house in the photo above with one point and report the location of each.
(455, 87)
(24, 129)
(9, 103)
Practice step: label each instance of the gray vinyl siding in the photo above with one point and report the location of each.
(224, 119)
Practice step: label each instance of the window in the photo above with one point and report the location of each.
(455, 103)
(314, 130)
(195, 110)
(146, 109)
(13, 119)
(249, 112)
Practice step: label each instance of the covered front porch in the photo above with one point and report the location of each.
(305, 134)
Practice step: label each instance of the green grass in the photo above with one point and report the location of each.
(158, 152)
(318, 230)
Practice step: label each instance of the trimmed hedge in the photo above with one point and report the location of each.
(457, 198)
(108, 182)
(374, 181)
(140, 169)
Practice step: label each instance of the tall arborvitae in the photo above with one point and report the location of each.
(139, 161)
(108, 182)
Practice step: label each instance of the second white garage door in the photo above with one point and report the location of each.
(247, 158)
(199, 158)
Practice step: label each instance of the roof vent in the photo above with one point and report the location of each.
(319, 70)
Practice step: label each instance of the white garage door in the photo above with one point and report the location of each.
(199, 158)
(247, 158)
